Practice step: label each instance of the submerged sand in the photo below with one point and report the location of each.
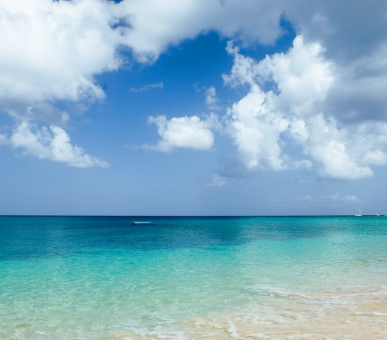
(351, 313)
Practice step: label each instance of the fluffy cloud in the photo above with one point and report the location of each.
(183, 132)
(50, 52)
(264, 122)
(333, 149)
(156, 24)
(327, 98)
(353, 37)
(356, 48)
(350, 31)
(52, 144)
(256, 132)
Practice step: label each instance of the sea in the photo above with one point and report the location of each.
(193, 277)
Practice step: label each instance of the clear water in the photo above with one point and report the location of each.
(192, 278)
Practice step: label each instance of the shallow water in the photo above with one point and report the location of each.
(192, 278)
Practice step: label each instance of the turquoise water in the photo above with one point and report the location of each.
(191, 278)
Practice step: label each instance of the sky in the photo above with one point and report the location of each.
(193, 107)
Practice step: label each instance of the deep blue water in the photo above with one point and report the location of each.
(29, 237)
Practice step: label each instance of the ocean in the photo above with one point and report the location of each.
(193, 278)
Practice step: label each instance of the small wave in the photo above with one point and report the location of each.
(342, 297)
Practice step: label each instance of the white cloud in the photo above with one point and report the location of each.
(52, 144)
(303, 164)
(256, 132)
(301, 76)
(218, 181)
(315, 87)
(211, 99)
(257, 121)
(299, 131)
(156, 24)
(183, 132)
(342, 198)
(159, 85)
(263, 122)
(333, 149)
(51, 50)
(326, 97)
(348, 30)
(306, 198)
(375, 157)
(357, 47)
(358, 57)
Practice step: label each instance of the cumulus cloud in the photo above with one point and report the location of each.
(50, 52)
(348, 30)
(183, 132)
(353, 37)
(332, 148)
(356, 47)
(154, 25)
(256, 132)
(264, 122)
(52, 144)
(259, 120)
(325, 95)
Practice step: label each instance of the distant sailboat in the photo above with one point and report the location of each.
(359, 214)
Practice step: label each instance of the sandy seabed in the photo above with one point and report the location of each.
(348, 314)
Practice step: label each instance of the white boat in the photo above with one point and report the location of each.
(142, 222)
(359, 214)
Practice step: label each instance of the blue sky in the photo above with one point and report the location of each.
(192, 107)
